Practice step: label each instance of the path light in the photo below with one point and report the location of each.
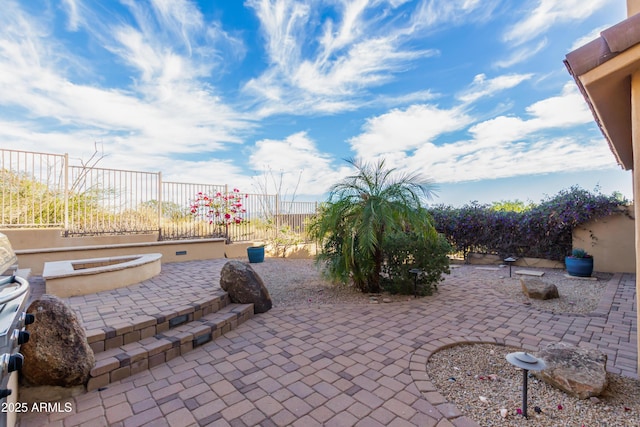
(510, 261)
(528, 363)
(417, 272)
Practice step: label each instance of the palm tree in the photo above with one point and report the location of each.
(360, 211)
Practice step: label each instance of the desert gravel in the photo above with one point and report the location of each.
(298, 282)
(477, 378)
(577, 295)
(481, 383)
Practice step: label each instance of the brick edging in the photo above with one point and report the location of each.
(420, 376)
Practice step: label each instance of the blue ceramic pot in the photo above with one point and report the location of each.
(255, 254)
(579, 267)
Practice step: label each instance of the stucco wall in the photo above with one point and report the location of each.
(611, 241)
(34, 247)
(40, 238)
(173, 251)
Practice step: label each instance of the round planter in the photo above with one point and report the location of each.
(579, 267)
(255, 254)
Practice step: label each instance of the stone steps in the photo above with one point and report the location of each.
(127, 350)
(145, 326)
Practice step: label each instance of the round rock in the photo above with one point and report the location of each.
(244, 286)
(57, 353)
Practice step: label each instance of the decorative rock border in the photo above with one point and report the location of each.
(418, 369)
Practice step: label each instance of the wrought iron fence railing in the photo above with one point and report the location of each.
(44, 190)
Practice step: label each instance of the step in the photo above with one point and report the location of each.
(25, 273)
(535, 273)
(114, 364)
(147, 326)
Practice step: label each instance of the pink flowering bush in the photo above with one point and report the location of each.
(220, 209)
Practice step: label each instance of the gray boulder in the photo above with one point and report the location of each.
(244, 286)
(537, 289)
(577, 371)
(57, 353)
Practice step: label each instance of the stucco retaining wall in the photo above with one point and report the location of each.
(103, 247)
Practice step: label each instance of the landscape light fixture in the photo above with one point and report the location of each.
(416, 272)
(510, 261)
(528, 363)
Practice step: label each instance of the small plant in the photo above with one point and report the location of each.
(219, 209)
(279, 239)
(580, 253)
(285, 239)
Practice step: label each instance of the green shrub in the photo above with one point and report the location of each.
(405, 251)
(579, 253)
(542, 230)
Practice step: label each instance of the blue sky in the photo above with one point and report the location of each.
(473, 94)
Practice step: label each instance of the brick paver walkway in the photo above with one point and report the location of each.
(165, 292)
(345, 365)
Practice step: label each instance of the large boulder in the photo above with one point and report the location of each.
(244, 286)
(578, 371)
(537, 289)
(57, 353)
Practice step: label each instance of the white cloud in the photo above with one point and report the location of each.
(329, 62)
(403, 130)
(71, 7)
(120, 154)
(433, 13)
(521, 54)
(465, 161)
(180, 17)
(299, 161)
(502, 146)
(417, 97)
(172, 44)
(548, 13)
(368, 63)
(169, 110)
(22, 135)
(563, 111)
(482, 87)
(567, 109)
(594, 34)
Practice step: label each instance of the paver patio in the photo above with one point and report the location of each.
(339, 365)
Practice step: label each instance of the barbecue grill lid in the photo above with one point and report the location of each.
(7, 257)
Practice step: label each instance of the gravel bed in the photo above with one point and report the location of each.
(298, 282)
(577, 295)
(480, 382)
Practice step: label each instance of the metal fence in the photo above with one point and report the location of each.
(32, 192)
(110, 201)
(43, 190)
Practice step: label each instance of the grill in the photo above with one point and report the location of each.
(14, 295)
